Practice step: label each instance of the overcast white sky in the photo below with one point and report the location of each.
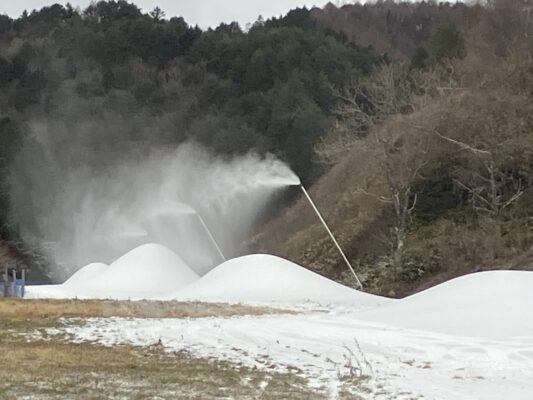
(205, 13)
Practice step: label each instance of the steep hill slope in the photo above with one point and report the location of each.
(454, 142)
(356, 220)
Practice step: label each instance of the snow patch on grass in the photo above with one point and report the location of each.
(330, 349)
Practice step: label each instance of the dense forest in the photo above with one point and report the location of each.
(266, 89)
(412, 121)
(105, 82)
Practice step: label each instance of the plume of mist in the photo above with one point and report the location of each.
(92, 201)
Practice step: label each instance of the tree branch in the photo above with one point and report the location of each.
(462, 145)
(377, 196)
(474, 193)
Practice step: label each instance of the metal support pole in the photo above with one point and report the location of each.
(331, 236)
(6, 281)
(206, 229)
(23, 291)
(14, 283)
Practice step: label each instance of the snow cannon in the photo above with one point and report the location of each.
(211, 237)
(337, 245)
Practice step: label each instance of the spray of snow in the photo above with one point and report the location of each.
(154, 198)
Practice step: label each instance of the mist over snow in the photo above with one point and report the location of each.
(98, 206)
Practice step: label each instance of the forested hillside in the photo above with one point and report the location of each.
(87, 87)
(411, 122)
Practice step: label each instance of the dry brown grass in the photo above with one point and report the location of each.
(23, 309)
(54, 368)
(60, 370)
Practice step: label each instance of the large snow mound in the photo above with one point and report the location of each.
(265, 278)
(86, 274)
(146, 272)
(492, 304)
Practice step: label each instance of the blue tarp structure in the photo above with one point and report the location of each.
(13, 286)
(20, 286)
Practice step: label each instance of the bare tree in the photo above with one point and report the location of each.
(380, 115)
(365, 103)
(402, 151)
(492, 170)
(375, 117)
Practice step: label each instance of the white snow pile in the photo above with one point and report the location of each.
(263, 278)
(154, 272)
(85, 274)
(145, 272)
(492, 304)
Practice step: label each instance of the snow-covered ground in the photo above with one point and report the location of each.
(327, 346)
(470, 338)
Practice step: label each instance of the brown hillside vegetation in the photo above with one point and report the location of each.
(432, 172)
(37, 365)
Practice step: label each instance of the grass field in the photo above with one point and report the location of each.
(46, 309)
(53, 368)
